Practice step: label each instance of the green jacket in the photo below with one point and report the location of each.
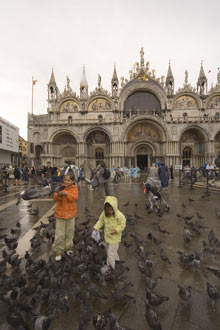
(117, 222)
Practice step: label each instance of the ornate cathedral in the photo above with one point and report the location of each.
(142, 120)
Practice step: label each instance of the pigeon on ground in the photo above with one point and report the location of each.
(185, 293)
(151, 283)
(152, 317)
(154, 299)
(213, 293)
(214, 271)
(199, 216)
(164, 257)
(211, 236)
(126, 204)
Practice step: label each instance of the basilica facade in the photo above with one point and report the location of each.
(142, 120)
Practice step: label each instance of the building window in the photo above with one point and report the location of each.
(187, 152)
(70, 120)
(31, 148)
(99, 154)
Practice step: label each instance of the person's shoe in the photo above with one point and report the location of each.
(58, 257)
(69, 253)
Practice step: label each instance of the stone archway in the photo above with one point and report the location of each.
(144, 144)
(192, 145)
(217, 144)
(143, 156)
(97, 147)
(64, 148)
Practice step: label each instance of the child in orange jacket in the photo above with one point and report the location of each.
(65, 213)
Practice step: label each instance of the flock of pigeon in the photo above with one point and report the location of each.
(37, 290)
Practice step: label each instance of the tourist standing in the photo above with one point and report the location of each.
(163, 174)
(65, 213)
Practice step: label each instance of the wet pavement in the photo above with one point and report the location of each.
(173, 315)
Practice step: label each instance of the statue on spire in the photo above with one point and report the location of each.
(142, 57)
(68, 83)
(99, 80)
(186, 77)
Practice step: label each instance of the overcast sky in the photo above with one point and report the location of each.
(37, 35)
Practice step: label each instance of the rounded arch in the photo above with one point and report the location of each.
(93, 129)
(149, 86)
(213, 101)
(100, 103)
(186, 101)
(136, 148)
(62, 131)
(193, 145)
(144, 101)
(149, 121)
(201, 130)
(69, 104)
(217, 143)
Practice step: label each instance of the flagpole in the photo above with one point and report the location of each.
(32, 104)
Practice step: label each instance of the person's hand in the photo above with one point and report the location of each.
(113, 231)
(62, 193)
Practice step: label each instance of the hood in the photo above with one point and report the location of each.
(112, 200)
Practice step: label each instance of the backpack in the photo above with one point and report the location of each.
(107, 173)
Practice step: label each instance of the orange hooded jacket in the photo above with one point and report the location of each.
(66, 205)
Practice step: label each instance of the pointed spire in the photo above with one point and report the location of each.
(169, 81)
(202, 81)
(202, 73)
(83, 82)
(52, 78)
(169, 72)
(114, 76)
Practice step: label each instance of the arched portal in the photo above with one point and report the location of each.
(143, 156)
(97, 147)
(217, 144)
(192, 145)
(64, 148)
(144, 144)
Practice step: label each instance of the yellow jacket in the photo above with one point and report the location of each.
(117, 222)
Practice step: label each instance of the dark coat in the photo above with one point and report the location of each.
(163, 174)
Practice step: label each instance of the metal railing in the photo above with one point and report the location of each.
(207, 178)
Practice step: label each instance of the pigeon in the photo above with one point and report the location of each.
(126, 204)
(213, 293)
(152, 317)
(187, 235)
(151, 283)
(185, 293)
(217, 214)
(164, 257)
(214, 271)
(211, 236)
(199, 216)
(154, 299)
(183, 205)
(191, 200)
(185, 258)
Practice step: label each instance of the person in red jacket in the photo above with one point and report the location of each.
(65, 213)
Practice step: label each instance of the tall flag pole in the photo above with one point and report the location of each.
(33, 83)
